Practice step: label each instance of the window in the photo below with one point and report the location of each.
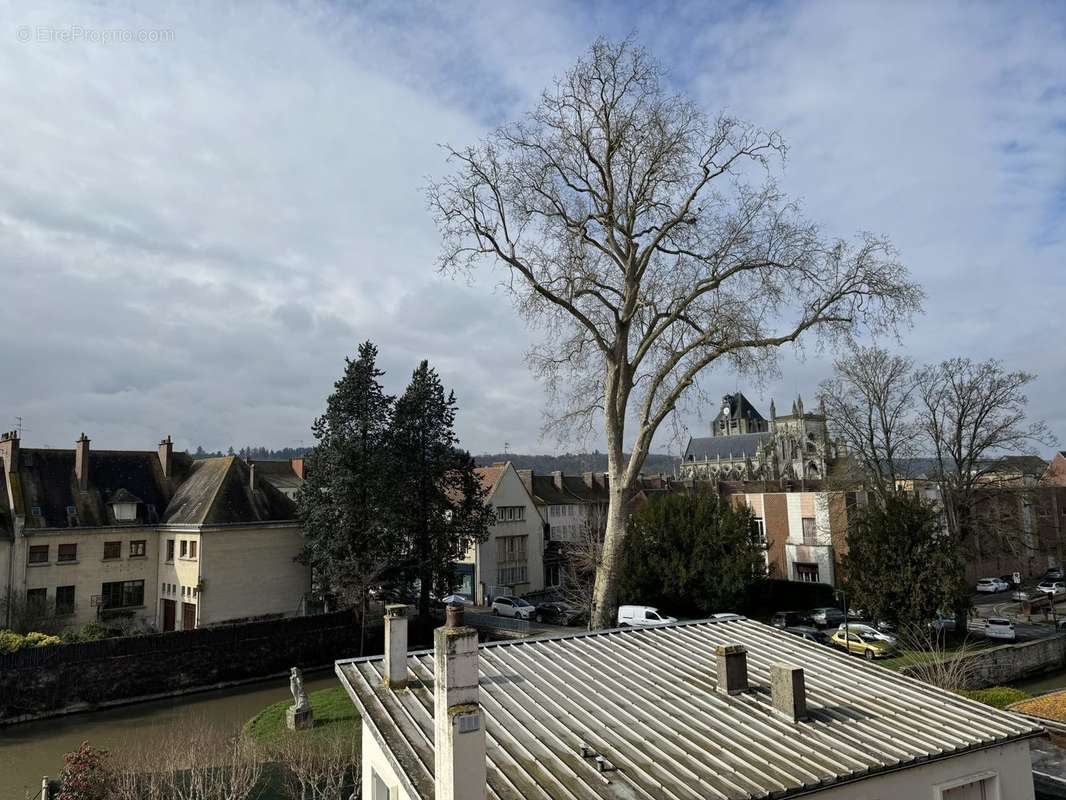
(511, 513)
(64, 600)
(184, 548)
(123, 594)
(551, 575)
(170, 549)
(38, 554)
(807, 573)
(972, 790)
(810, 533)
(379, 790)
(112, 550)
(760, 530)
(138, 548)
(37, 601)
(67, 552)
(192, 549)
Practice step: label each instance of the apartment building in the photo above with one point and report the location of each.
(151, 538)
(511, 560)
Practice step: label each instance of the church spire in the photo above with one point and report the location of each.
(773, 409)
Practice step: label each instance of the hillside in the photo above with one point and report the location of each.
(574, 463)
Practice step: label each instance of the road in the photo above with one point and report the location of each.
(1002, 605)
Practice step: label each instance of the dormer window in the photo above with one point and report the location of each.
(124, 506)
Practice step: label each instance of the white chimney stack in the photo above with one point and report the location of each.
(396, 646)
(459, 728)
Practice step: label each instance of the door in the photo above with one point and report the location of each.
(188, 616)
(170, 613)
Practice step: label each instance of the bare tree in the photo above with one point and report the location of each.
(869, 404)
(580, 561)
(931, 658)
(629, 231)
(325, 767)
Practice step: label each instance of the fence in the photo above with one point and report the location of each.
(173, 641)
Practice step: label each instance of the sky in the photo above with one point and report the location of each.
(205, 207)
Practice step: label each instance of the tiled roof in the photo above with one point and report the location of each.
(279, 473)
(741, 445)
(490, 476)
(646, 700)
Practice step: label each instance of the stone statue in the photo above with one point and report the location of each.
(298, 716)
(296, 686)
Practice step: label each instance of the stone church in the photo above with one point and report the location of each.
(745, 446)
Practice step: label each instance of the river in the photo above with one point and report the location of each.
(34, 749)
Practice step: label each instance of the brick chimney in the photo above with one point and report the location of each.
(9, 450)
(81, 462)
(297, 465)
(557, 479)
(732, 668)
(788, 690)
(166, 456)
(459, 729)
(396, 646)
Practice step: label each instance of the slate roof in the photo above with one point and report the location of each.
(739, 408)
(208, 491)
(279, 473)
(741, 445)
(646, 700)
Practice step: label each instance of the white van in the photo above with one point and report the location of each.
(642, 617)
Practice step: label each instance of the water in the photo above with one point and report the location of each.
(34, 749)
(1042, 683)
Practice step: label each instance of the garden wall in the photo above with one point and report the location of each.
(41, 681)
(1012, 662)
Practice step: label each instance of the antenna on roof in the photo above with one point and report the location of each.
(506, 447)
(18, 426)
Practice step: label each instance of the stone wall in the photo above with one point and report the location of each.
(1012, 662)
(62, 678)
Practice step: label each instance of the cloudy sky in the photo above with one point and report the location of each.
(195, 232)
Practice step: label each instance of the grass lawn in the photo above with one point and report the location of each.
(908, 658)
(333, 710)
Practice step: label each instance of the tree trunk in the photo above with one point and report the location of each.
(604, 599)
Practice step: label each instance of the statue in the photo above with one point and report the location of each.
(296, 686)
(298, 716)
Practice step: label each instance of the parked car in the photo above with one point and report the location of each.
(513, 607)
(1053, 588)
(827, 617)
(791, 619)
(992, 585)
(642, 617)
(865, 646)
(810, 634)
(726, 615)
(999, 628)
(558, 614)
(862, 629)
(943, 623)
(1053, 574)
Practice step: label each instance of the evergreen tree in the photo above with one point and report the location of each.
(691, 553)
(345, 497)
(902, 566)
(439, 509)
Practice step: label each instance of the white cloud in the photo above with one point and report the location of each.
(193, 234)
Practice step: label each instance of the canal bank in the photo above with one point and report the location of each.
(33, 749)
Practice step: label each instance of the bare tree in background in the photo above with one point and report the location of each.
(870, 404)
(971, 415)
(630, 232)
(580, 562)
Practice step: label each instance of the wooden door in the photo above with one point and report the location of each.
(170, 613)
(188, 616)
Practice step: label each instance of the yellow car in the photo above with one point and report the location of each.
(867, 647)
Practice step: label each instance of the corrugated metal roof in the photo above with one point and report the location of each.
(646, 700)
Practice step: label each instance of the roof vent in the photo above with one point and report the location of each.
(788, 690)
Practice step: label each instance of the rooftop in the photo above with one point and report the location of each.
(646, 700)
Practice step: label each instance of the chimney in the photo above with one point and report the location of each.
(788, 691)
(166, 455)
(459, 730)
(81, 462)
(557, 479)
(251, 477)
(9, 451)
(396, 646)
(732, 668)
(589, 478)
(297, 465)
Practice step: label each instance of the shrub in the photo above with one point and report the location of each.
(86, 775)
(93, 631)
(996, 696)
(11, 642)
(38, 639)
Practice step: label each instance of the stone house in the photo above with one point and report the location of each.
(152, 538)
(713, 709)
